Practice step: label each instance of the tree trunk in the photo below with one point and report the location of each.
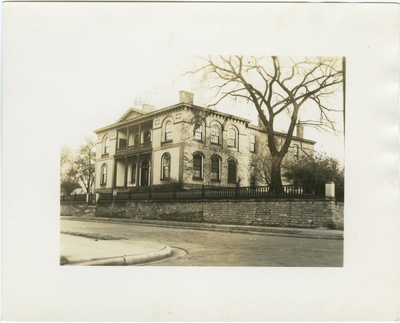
(276, 179)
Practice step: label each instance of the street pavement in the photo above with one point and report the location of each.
(156, 244)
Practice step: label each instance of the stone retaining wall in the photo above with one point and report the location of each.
(76, 209)
(309, 213)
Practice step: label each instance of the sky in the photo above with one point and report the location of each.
(90, 69)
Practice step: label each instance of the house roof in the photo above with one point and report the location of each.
(130, 114)
(134, 115)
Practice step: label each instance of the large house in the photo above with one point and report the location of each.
(182, 144)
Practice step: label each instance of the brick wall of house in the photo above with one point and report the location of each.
(280, 212)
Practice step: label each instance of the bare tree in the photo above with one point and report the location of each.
(68, 181)
(282, 90)
(84, 162)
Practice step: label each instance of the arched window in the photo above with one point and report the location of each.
(168, 130)
(103, 178)
(232, 137)
(197, 166)
(166, 166)
(133, 175)
(106, 146)
(147, 137)
(232, 171)
(198, 131)
(215, 168)
(215, 133)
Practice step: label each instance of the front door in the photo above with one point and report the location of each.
(144, 173)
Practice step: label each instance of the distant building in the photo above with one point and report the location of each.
(185, 144)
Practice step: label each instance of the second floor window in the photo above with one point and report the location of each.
(147, 137)
(136, 140)
(215, 134)
(106, 149)
(168, 131)
(252, 143)
(198, 131)
(232, 137)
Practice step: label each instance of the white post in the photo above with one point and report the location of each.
(330, 189)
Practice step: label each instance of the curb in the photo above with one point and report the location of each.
(284, 232)
(128, 260)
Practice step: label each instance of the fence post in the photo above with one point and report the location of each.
(202, 191)
(330, 190)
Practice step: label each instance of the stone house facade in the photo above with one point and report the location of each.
(182, 144)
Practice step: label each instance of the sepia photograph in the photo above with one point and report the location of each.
(200, 162)
(236, 172)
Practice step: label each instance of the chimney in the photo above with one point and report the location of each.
(147, 108)
(299, 130)
(185, 97)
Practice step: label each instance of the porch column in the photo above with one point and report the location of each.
(114, 183)
(126, 172)
(138, 169)
(127, 138)
(140, 136)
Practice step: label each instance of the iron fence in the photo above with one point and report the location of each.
(296, 191)
(72, 198)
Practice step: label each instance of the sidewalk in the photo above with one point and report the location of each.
(83, 251)
(233, 228)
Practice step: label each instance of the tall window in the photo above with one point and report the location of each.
(133, 175)
(168, 131)
(215, 133)
(106, 145)
(166, 166)
(197, 166)
(147, 137)
(232, 171)
(103, 178)
(252, 143)
(232, 137)
(215, 168)
(198, 131)
(136, 140)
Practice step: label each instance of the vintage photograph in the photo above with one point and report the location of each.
(244, 168)
(200, 161)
